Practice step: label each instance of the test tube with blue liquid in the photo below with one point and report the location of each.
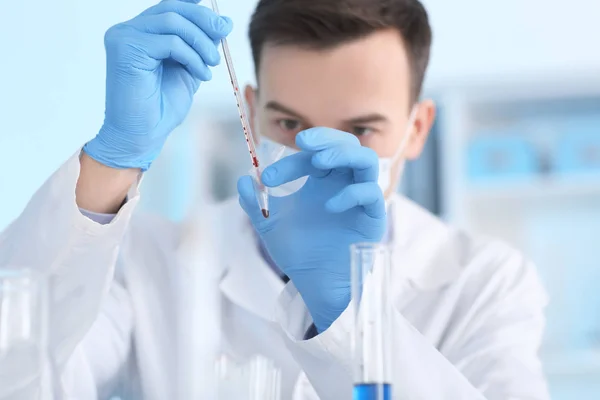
(372, 333)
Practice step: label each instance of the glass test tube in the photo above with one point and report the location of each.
(257, 379)
(372, 334)
(25, 368)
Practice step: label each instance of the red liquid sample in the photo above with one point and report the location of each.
(265, 213)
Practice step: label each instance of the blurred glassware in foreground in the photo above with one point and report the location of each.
(257, 379)
(24, 358)
(372, 336)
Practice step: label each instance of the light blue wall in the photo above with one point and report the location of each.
(51, 87)
(495, 39)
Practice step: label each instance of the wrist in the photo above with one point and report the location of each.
(102, 189)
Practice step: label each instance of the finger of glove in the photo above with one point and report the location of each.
(289, 169)
(363, 161)
(214, 25)
(163, 47)
(367, 195)
(171, 23)
(317, 139)
(247, 199)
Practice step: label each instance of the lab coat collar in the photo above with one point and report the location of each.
(249, 282)
(426, 252)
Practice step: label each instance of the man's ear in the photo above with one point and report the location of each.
(425, 117)
(252, 103)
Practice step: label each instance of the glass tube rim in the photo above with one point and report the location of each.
(369, 246)
(16, 278)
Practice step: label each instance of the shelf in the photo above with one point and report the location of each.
(577, 363)
(548, 187)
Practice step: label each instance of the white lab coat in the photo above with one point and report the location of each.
(468, 312)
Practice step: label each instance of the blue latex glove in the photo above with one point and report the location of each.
(310, 232)
(155, 64)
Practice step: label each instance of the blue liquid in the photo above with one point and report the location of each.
(373, 391)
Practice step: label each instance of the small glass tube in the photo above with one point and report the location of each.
(372, 333)
(25, 367)
(257, 379)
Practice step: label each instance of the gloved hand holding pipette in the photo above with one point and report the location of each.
(155, 63)
(309, 232)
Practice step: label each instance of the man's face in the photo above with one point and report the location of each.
(363, 87)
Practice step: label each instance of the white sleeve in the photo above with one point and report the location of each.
(52, 235)
(496, 360)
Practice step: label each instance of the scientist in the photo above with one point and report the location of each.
(338, 82)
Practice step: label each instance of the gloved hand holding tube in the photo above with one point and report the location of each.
(155, 64)
(309, 232)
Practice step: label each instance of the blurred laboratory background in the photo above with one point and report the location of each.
(515, 152)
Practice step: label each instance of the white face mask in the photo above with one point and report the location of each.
(386, 164)
(269, 153)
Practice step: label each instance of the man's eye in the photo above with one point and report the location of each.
(361, 131)
(289, 124)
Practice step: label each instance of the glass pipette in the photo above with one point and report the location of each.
(262, 191)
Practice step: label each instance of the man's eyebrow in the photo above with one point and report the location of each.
(366, 119)
(275, 106)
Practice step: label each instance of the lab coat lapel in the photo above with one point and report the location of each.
(249, 282)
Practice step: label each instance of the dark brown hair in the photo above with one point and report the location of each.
(326, 24)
